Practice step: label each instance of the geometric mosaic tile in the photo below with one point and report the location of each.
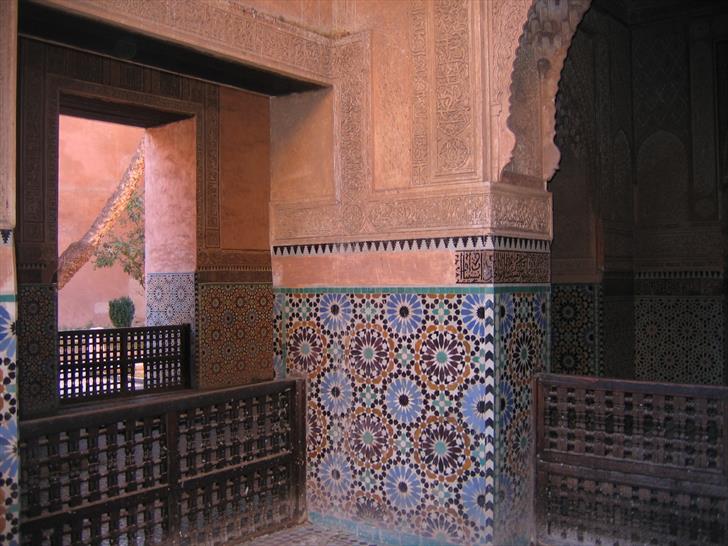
(9, 503)
(170, 298)
(521, 351)
(574, 329)
(234, 334)
(37, 348)
(9, 471)
(401, 408)
(679, 339)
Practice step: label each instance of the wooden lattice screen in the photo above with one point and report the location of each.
(624, 462)
(202, 468)
(115, 362)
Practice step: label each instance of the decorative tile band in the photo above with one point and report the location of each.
(6, 237)
(697, 274)
(465, 242)
(488, 266)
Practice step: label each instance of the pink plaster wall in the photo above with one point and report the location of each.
(93, 156)
(170, 198)
(244, 170)
(302, 144)
(424, 268)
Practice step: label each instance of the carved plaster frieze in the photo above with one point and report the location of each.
(225, 28)
(499, 209)
(679, 248)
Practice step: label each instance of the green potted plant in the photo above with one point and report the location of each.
(121, 312)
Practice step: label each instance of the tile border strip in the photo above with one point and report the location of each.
(695, 274)
(458, 242)
(367, 533)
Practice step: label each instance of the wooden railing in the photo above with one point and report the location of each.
(192, 468)
(116, 362)
(624, 462)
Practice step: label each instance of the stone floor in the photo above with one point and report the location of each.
(308, 534)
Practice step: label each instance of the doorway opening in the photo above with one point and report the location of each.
(100, 223)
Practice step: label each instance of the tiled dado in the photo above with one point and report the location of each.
(234, 341)
(680, 326)
(9, 503)
(680, 339)
(575, 320)
(37, 348)
(418, 407)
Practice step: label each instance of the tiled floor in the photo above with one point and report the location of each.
(308, 535)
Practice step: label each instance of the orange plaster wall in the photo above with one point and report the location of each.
(92, 157)
(170, 198)
(244, 170)
(430, 268)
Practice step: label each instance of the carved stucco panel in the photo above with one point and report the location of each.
(527, 214)
(506, 26)
(352, 76)
(445, 55)
(421, 91)
(679, 249)
(537, 69)
(456, 70)
(430, 213)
